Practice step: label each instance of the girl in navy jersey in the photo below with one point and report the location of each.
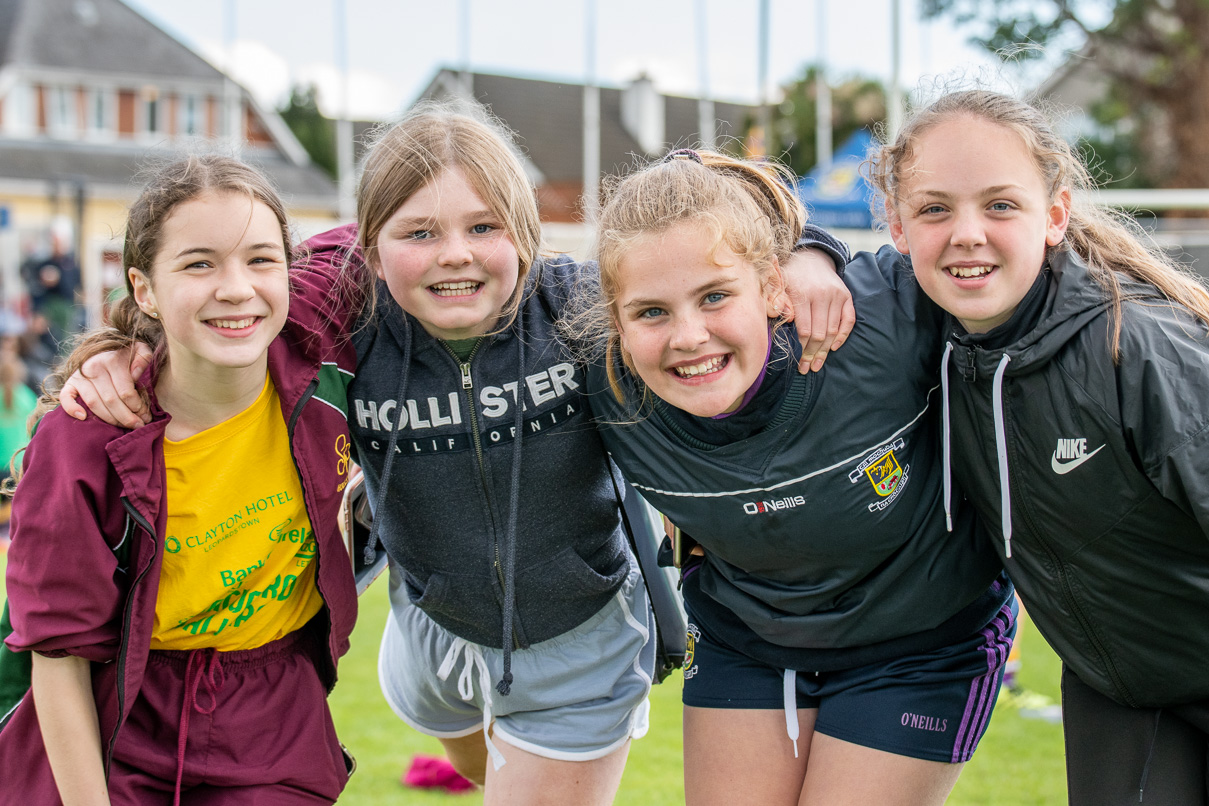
(848, 646)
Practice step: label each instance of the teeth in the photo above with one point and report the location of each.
(233, 324)
(457, 289)
(969, 271)
(712, 365)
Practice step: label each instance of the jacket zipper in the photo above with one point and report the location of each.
(468, 389)
(127, 617)
(1069, 594)
(306, 500)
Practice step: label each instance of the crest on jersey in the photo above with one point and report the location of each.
(690, 647)
(884, 472)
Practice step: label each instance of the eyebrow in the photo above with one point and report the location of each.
(205, 250)
(428, 221)
(940, 194)
(696, 292)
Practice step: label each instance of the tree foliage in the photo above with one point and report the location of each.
(1152, 57)
(855, 103)
(316, 133)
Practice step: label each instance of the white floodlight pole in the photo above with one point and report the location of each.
(591, 122)
(765, 114)
(822, 123)
(706, 118)
(894, 110)
(232, 103)
(344, 125)
(464, 77)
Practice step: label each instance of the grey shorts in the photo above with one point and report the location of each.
(575, 697)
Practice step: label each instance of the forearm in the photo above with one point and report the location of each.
(67, 715)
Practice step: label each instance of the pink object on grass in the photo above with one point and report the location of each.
(435, 772)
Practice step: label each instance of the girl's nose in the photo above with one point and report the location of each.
(455, 251)
(968, 230)
(236, 285)
(689, 333)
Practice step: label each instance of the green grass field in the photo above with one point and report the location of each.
(1019, 762)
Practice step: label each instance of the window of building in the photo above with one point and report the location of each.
(61, 116)
(152, 110)
(19, 111)
(192, 116)
(98, 116)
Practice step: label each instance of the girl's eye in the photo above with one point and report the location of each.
(482, 229)
(1001, 207)
(419, 235)
(651, 313)
(933, 209)
(200, 264)
(714, 297)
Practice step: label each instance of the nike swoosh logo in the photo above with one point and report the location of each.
(1062, 468)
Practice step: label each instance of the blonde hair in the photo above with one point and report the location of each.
(169, 186)
(431, 138)
(1109, 241)
(744, 204)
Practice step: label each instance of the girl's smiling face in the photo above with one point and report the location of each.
(975, 216)
(219, 283)
(448, 259)
(694, 320)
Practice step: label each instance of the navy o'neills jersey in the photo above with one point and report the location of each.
(826, 529)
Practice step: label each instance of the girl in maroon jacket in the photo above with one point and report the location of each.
(168, 580)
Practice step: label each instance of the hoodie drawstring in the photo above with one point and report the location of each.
(946, 451)
(1005, 493)
(472, 661)
(789, 690)
(371, 545)
(505, 685)
(1154, 738)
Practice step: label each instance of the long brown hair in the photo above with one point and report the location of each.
(1109, 241)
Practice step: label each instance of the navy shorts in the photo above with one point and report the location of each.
(932, 705)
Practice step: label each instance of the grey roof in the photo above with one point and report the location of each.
(100, 36)
(113, 169)
(547, 117)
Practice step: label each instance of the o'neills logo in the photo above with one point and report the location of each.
(758, 507)
(921, 722)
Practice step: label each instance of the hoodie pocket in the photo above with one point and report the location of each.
(567, 577)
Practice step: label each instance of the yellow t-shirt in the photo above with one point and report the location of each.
(239, 554)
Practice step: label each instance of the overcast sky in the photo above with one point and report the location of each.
(396, 46)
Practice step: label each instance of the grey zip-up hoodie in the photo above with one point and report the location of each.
(455, 487)
(1095, 479)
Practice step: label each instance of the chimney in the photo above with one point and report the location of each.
(642, 114)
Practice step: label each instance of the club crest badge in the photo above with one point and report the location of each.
(883, 471)
(885, 474)
(690, 647)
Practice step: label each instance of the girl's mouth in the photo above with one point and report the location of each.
(969, 272)
(461, 288)
(234, 327)
(706, 367)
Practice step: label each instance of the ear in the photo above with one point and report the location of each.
(144, 296)
(1058, 218)
(897, 234)
(776, 297)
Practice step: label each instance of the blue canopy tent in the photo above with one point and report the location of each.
(839, 196)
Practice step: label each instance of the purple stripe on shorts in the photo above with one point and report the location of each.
(981, 701)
